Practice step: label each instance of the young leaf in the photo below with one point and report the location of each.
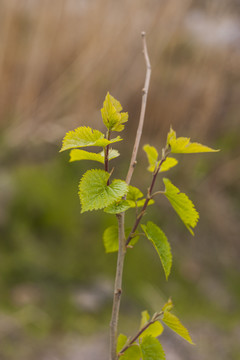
(182, 205)
(112, 117)
(139, 203)
(112, 154)
(117, 207)
(94, 192)
(152, 349)
(77, 154)
(85, 136)
(174, 323)
(134, 193)
(182, 145)
(168, 306)
(161, 244)
(168, 164)
(110, 239)
(132, 353)
(154, 329)
(121, 341)
(152, 156)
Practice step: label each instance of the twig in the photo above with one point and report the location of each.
(121, 216)
(143, 110)
(117, 288)
(148, 198)
(106, 152)
(139, 333)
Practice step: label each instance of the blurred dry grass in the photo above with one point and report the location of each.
(59, 58)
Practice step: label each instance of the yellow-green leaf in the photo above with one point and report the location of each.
(169, 163)
(139, 203)
(85, 136)
(121, 342)
(77, 154)
(94, 192)
(117, 207)
(154, 329)
(134, 193)
(174, 323)
(110, 239)
(151, 349)
(152, 156)
(182, 205)
(182, 145)
(112, 117)
(168, 306)
(161, 244)
(132, 353)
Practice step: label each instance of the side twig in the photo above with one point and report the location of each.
(139, 333)
(143, 110)
(148, 198)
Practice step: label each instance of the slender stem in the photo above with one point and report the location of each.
(139, 333)
(143, 110)
(106, 152)
(121, 217)
(117, 288)
(148, 198)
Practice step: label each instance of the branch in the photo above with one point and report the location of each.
(106, 152)
(143, 109)
(117, 288)
(139, 333)
(149, 196)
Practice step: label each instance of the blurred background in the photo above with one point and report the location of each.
(57, 61)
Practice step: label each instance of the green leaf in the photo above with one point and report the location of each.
(110, 239)
(134, 193)
(168, 164)
(152, 156)
(161, 244)
(139, 203)
(168, 306)
(121, 342)
(154, 329)
(112, 154)
(85, 136)
(182, 205)
(117, 207)
(182, 145)
(94, 192)
(77, 154)
(152, 349)
(174, 323)
(132, 353)
(112, 117)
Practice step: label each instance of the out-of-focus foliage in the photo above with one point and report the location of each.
(57, 59)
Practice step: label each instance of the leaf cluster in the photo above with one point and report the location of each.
(98, 191)
(146, 345)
